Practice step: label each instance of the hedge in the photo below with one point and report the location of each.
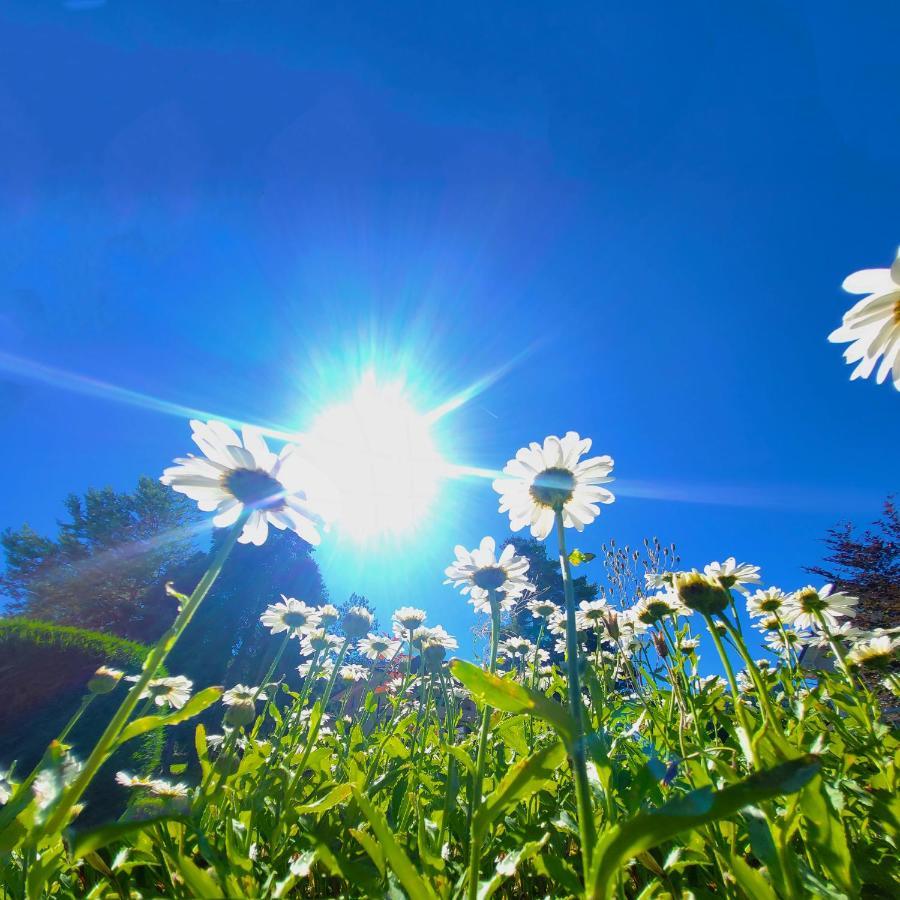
(44, 670)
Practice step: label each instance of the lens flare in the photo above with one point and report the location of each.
(379, 452)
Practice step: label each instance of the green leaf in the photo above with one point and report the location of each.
(750, 880)
(200, 882)
(193, 707)
(372, 847)
(577, 557)
(646, 830)
(826, 837)
(393, 852)
(562, 875)
(505, 694)
(97, 838)
(506, 867)
(329, 801)
(522, 781)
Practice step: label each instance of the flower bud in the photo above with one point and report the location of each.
(701, 593)
(356, 623)
(240, 714)
(104, 680)
(433, 655)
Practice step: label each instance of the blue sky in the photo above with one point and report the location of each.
(237, 206)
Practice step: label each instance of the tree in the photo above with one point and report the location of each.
(867, 566)
(98, 571)
(544, 573)
(226, 643)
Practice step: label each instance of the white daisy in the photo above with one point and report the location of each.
(356, 622)
(283, 490)
(239, 695)
(517, 647)
(174, 691)
(803, 608)
(590, 614)
(132, 781)
(479, 572)
(353, 672)
(317, 640)
(290, 615)
(765, 603)
(328, 614)
(779, 642)
(731, 573)
(872, 326)
(324, 668)
(543, 479)
(649, 610)
(843, 631)
(436, 635)
(541, 608)
(378, 646)
(659, 581)
(408, 618)
(874, 653)
(162, 788)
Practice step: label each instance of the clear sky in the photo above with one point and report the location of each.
(647, 208)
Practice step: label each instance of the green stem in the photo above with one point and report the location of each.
(157, 656)
(478, 778)
(577, 750)
(749, 748)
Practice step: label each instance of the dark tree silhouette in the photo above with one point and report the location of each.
(106, 557)
(867, 566)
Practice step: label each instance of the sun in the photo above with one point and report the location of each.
(379, 452)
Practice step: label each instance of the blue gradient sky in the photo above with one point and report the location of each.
(237, 206)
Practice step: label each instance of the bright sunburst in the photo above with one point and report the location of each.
(378, 450)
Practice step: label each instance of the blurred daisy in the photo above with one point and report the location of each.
(353, 672)
(844, 631)
(541, 609)
(174, 691)
(132, 781)
(733, 574)
(239, 695)
(517, 647)
(658, 581)
(590, 614)
(779, 642)
(478, 572)
(544, 479)
(803, 608)
(872, 326)
(766, 602)
(688, 645)
(290, 615)
(318, 640)
(323, 670)
(51, 781)
(874, 653)
(650, 610)
(356, 622)
(378, 646)
(161, 788)
(233, 474)
(436, 635)
(328, 614)
(408, 618)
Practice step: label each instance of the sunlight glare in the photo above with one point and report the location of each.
(379, 452)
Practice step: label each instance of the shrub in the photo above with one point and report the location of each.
(44, 670)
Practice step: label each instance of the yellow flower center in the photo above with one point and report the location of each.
(553, 487)
(254, 487)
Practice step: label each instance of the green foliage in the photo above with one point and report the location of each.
(43, 676)
(100, 570)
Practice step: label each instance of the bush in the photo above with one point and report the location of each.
(44, 670)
